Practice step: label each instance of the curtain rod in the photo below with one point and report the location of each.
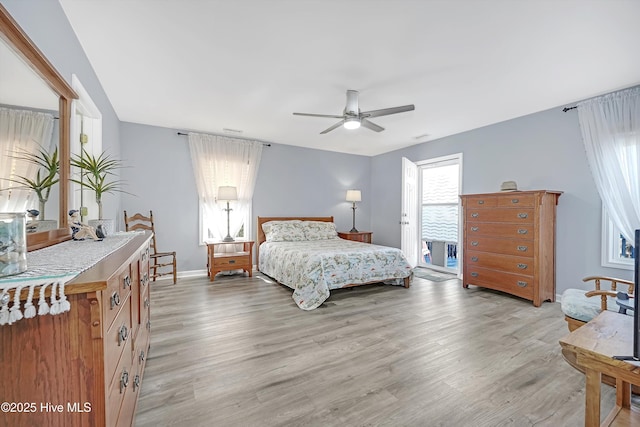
(565, 109)
(264, 144)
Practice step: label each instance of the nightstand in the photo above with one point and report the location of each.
(226, 256)
(357, 236)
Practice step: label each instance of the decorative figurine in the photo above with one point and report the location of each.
(80, 231)
(33, 214)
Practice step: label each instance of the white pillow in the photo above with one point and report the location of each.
(320, 230)
(283, 231)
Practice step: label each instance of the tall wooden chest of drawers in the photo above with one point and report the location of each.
(509, 243)
(83, 367)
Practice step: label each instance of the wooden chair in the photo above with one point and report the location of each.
(580, 306)
(159, 261)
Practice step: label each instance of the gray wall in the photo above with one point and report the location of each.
(292, 181)
(538, 151)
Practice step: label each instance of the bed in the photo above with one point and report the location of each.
(306, 255)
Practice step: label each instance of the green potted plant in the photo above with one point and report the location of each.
(46, 177)
(95, 172)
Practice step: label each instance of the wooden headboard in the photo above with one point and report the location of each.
(260, 237)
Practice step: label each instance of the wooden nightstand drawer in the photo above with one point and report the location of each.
(238, 258)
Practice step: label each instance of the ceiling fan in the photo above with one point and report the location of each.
(353, 118)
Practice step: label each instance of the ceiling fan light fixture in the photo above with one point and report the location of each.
(352, 123)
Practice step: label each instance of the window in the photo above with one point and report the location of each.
(617, 252)
(221, 162)
(211, 225)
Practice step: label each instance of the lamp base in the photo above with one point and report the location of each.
(228, 239)
(353, 230)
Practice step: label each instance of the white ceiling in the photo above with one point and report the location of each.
(249, 64)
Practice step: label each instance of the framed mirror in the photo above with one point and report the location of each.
(17, 40)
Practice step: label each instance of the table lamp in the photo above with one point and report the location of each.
(354, 196)
(227, 193)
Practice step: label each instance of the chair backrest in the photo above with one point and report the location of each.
(141, 222)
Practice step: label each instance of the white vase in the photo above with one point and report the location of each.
(108, 225)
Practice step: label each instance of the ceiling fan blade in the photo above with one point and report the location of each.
(337, 125)
(330, 116)
(370, 125)
(388, 111)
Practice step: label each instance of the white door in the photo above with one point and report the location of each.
(409, 215)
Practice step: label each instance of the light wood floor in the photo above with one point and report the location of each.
(239, 352)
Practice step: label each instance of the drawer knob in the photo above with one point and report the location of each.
(515, 201)
(523, 215)
(146, 303)
(115, 300)
(474, 243)
(475, 228)
(522, 266)
(481, 202)
(475, 215)
(141, 356)
(522, 231)
(136, 382)
(124, 380)
(123, 334)
(474, 258)
(522, 284)
(126, 282)
(148, 325)
(523, 248)
(232, 261)
(474, 274)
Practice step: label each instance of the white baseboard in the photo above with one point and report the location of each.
(187, 274)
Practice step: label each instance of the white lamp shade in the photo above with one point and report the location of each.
(227, 193)
(354, 196)
(352, 123)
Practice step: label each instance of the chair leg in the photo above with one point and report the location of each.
(175, 272)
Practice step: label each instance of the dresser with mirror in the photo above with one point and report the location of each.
(81, 365)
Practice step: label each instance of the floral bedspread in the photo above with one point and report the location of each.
(312, 268)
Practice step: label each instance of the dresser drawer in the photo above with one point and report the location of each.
(523, 231)
(523, 248)
(516, 200)
(515, 284)
(145, 304)
(118, 389)
(524, 215)
(117, 342)
(118, 290)
(481, 201)
(508, 263)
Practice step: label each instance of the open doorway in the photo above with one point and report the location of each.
(440, 185)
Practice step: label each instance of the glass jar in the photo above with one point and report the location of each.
(13, 243)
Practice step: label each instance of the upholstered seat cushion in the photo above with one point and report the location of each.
(576, 305)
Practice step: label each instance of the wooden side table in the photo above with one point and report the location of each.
(224, 256)
(594, 344)
(356, 236)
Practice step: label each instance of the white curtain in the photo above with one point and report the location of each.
(610, 127)
(222, 161)
(21, 132)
